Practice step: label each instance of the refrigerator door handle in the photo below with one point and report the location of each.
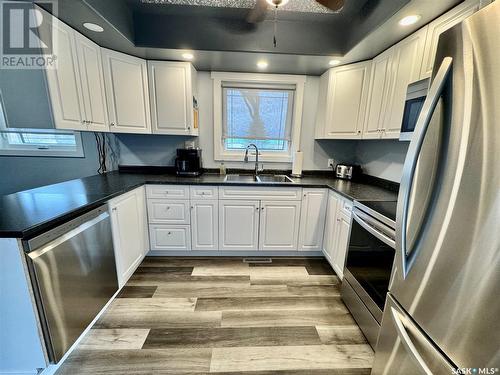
(411, 162)
(408, 344)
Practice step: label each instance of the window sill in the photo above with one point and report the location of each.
(263, 157)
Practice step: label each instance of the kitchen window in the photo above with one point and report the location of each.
(263, 109)
(38, 142)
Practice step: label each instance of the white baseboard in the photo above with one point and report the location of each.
(209, 253)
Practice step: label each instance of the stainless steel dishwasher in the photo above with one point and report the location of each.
(73, 273)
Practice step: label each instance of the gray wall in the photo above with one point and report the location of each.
(382, 158)
(25, 172)
(160, 150)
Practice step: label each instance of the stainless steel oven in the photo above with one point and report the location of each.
(370, 257)
(415, 98)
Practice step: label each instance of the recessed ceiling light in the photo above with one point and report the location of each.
(262, 64)
(409, 20)
(93, 27)
(277, 3)
(187, 56)
(334, 62)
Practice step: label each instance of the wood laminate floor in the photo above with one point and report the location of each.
(224, 316)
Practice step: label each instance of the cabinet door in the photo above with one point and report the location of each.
(205, 225)
(330, 226)
(348, 91)
(239, 225)
(343, 232)
(380, 81)
(312, 219)
(93, 91)
(64, 82)
(405, 69)
(170, 97)
(440, 25)
(128, 236)
(126, 84)
(279, 225)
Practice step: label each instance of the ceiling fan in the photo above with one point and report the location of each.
(259, 12)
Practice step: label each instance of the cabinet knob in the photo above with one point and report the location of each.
(359, 131)
(169, 233)
(338, 219)
(257, 208)
(262, 208)
(113, 209)
(168, 207)
(112, 124)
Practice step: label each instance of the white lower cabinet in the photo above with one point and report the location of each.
(342, 231)
(312, 219)
(129, 231)
(204, 224)
(239, 225)
(337, 231)
(170, 237)
(279, 225)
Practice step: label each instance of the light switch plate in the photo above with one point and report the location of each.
(331, 163)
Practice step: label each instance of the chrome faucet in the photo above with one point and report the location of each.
(256, 157)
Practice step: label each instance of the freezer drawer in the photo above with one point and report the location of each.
(402, 348)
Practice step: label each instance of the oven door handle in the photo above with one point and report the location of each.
(378, 234)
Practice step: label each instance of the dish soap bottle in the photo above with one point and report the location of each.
(222, 169)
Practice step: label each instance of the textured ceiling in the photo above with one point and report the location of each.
(302, 6)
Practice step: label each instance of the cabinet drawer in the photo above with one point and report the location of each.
(204, 192)
(346, 207)
(167, 191)
(170, 237)
(162, 211)
(260, 193)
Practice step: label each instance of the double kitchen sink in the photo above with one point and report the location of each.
(281, 178)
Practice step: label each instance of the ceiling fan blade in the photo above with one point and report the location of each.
(334, 5)
(259, 12)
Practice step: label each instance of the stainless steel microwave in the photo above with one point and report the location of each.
(415, 98)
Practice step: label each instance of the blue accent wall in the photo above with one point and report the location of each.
(26, 172)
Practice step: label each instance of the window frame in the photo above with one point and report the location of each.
(298, 81)
(35, 151)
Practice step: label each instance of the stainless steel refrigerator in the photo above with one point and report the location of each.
(442, 314)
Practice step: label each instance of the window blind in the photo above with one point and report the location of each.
(257, 112)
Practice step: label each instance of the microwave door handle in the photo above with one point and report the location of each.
(382, 237)
(409, 168)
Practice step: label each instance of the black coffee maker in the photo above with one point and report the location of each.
(188, 162)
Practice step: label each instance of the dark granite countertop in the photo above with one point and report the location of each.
(31, 212)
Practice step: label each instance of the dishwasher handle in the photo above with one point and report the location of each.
(65, 231)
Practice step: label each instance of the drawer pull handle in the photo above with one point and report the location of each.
(169, 233)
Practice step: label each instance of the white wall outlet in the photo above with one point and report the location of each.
(331, 163)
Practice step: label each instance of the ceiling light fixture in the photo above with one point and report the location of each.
(187, 56)
(93, 27)
(277, 3)
(262, 64)
(409, 20)
(334, 62)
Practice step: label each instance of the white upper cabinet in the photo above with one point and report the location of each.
(440, 25)
(127, 92)
(92, 78)
(279, 225)
(405, 69)
(64, 83)
(380, 81)
(312, 219)
(342, 104)
(172, 92)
